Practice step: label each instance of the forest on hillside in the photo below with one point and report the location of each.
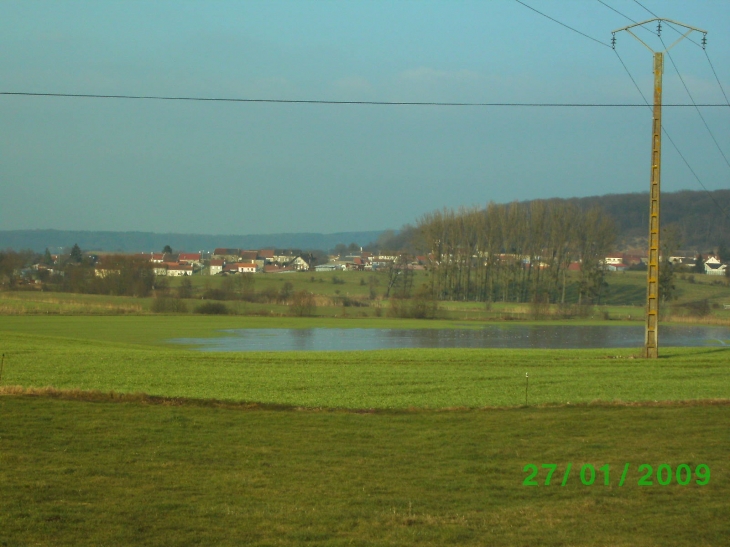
(698, 220)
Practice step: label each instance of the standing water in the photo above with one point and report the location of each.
(491, 336)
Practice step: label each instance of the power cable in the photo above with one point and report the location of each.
(647, 9)
(704, 49)
(667, 23)
(326, 102)
(671, 140)
(693, 102)
(563, 24)
(617, 11)
(716, 78)
(625, 16)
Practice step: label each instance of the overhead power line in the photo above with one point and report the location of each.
(671, 140)
(647, 9)
(716, 78)
(328, 102)
(625, 16)
(717, 144)
(621, 14)
(675, 29)
(563, 24)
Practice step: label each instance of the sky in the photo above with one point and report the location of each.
(254, 168)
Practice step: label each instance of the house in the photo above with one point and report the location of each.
(299, 264)
(247, 256)
(229, 255)
(216, 266)
(284, 256)
(246, 267)
(179, 270)
(102, 272)
(190, 258)
(267, 255)
(713, 266)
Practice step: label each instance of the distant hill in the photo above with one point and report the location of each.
(698, 215)
(128, 242)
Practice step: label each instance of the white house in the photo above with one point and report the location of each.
(216, 266)
(713, 266)
(246, 267)
(299, 264)
(615, 258)
(179, 270)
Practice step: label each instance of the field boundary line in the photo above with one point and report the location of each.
(96, 396)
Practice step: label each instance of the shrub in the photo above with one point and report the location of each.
(212, 308)
(215, 294)
(267, 295)
(348, 302)
(302, 303)
(185, 290)
(700, 308)
(163, 304)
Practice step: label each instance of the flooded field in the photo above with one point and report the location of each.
(491, 336)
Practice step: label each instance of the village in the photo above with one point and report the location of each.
(225, 261)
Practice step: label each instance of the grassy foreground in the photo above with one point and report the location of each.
(79, 473)
(413, 459)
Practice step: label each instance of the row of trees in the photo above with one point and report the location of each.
(120, 275)
(519, 252)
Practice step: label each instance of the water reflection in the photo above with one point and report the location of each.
(491, 336)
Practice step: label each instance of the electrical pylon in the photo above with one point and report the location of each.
(651, 338)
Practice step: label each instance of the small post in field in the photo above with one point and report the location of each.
(2, 363)
(527, 380)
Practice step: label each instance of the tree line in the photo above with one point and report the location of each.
(518, 252)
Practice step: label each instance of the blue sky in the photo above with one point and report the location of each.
(103, 164)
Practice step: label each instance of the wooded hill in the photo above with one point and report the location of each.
(702, 218)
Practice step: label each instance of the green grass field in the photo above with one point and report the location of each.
(397, 447)
(80, 473)
(124, 354)
(624, 299)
